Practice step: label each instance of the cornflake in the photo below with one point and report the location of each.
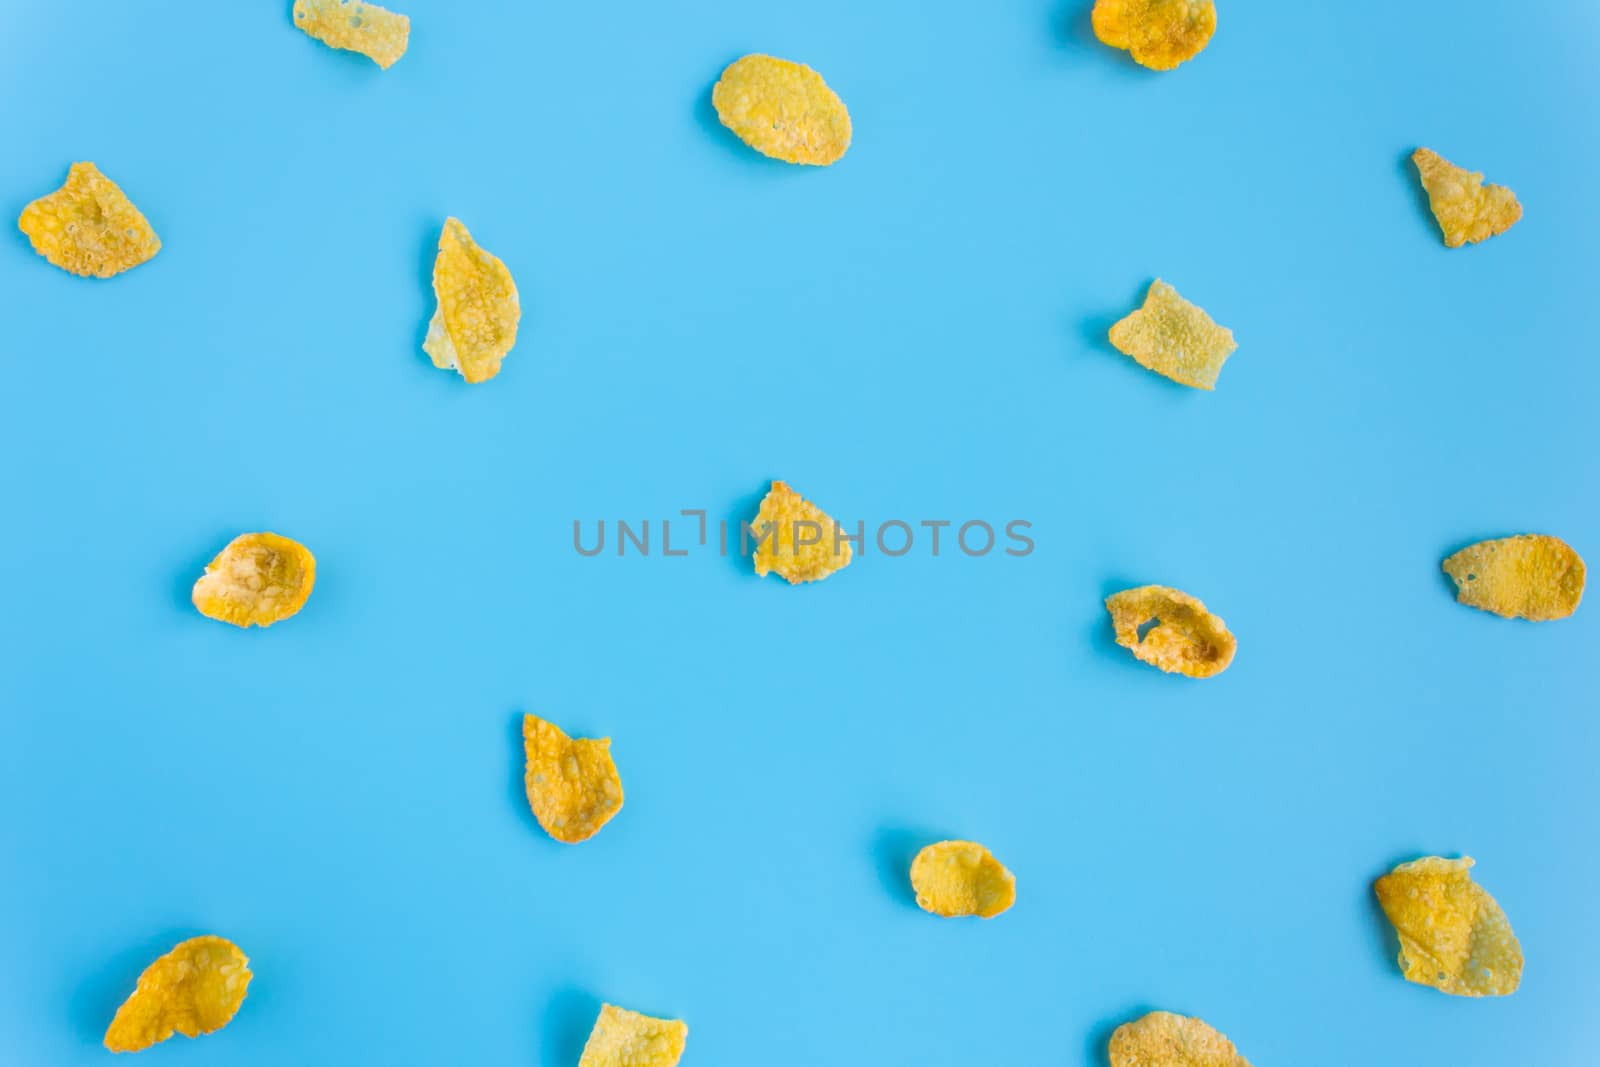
(623, 1038)
(1163, 1039)
(1467, 209)
(573, 786)
(783, 110)
(352, 26)
(954, 878)
(89, 227)
(1174, 338)
(194, 989)
(257, 580)
(475, 324)
(1159, 34)
(796, 539)
(1530, 576)
(1453, 936)
(1171, 630)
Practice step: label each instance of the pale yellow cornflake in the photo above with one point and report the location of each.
(1453, 936)
(783, 110)
(88, 226)
(573, 785)
(194, 989)
(796, 539)
(1159, 34)
(475, 324)
(1171, 630)
(1467, 209)
(1163, 1039)
(353, 26)
(257, 580)
(954, 878)
(623, 1038)
(1530, 576)
(1174, 338)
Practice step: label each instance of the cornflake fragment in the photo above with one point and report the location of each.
(1159, 34)
(194, 989)
(257, 580)
(783, 110)
(1467, 209)
(954, 878)
(796, 539)
(1530, 576)
(573, 786)
(89, 227)
(623, 1038)
(1453, 936)
(1163, 1039)
(353, 26)
(1174, 338)
(1171, 630)
(475, 324)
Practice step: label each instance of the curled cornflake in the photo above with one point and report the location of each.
(1467, 209)
(475, 324)
(962, 878)
(623, 1038)
(194, 989)
(1171, 630)
(1530, 576)
(573, 785)
(796, 539)
(1163, 1039)
(1453, 936)
(376, 33)
(1159, 34)
(783, 110)
(1174, 338)
(259, 579)
(88, 226)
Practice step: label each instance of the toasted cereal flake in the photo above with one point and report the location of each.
(1530, 576)
(376, 33)
(961, 878)
(572, 785)
(475, 324)
(1162, 1039)
(1453, 936)
(194, 989)
(257, 580)
(623, 1038)
(783, 110)
(796, 539)
(1171, 630)
(1467, 209)
(1174, 338)
(1159, 34)
(88, 226)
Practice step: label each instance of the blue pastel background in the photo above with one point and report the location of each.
(915, 333)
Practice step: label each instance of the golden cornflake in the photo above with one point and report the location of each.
(194, 989)
(783, 110)
(1174, 338)
(1171, 630)
(623, 1038)
(1467, 209)
(962, 878)
(88, 226)
(475, 324)
(1530, 576)
(259, 579)
(1162, 1039)
(796, 539)
(1453, 936)
(1159, 34)
(378, 34)
(573, 786)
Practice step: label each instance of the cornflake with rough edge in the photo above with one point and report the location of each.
(1163, 1039)
(783, 110)
(623, 1038)
(1171, 630)
(954, 878)
(1467, 209)
(475, 324)
(89, 227)
(353, 26)
(1453, 935)
(194, 989)
(1530, 576)
(257, 580)
(1174, 338)
(573, 785)
(796, 539)
(1159, 34)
